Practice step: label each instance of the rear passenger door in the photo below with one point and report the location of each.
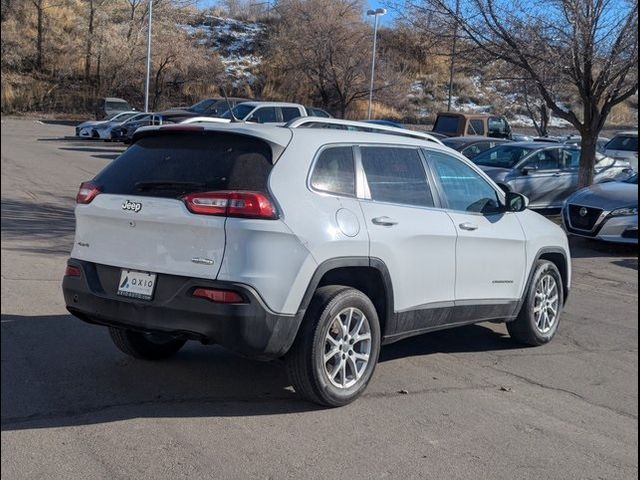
(415, 239)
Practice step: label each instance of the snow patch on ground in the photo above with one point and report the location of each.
(520, 120)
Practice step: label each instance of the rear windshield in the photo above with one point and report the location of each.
(117, 105)
(503, 156)
(447, 125)
(625, 143)
(172, 165)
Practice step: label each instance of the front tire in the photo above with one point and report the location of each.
(538, 320)
(337, 348)
(145, 346)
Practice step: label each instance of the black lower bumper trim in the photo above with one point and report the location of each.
(249, 329)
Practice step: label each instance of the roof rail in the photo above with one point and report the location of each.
(205, 120)
(321, 122)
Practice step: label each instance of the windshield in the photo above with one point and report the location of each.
(137, 117)
(240, 111)
(121, 117)
(503, 156)
(633, 180)
(625, 143)
(455, 143)
(202, 105)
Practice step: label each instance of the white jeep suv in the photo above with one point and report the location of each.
(313, 245)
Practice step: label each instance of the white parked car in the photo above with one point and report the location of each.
(272, 112)
(624, 146)
(313, 245)
(103, 131)
(86, 129)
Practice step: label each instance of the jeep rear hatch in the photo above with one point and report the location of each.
(162, 205)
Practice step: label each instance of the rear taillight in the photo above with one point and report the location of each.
(218, 296)
(72, 271)
(87, 192)
(231, 204)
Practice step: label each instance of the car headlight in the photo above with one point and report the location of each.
(625, 212)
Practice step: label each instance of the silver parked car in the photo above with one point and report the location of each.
(546, 173)
(624, 146)
(87, 129)
(608, 212)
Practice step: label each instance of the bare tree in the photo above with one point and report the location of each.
(592, 46)
(327, 43)
(537, 110)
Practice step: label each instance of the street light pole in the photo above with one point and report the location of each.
(146, 83)
(454, 52)
(375, 14)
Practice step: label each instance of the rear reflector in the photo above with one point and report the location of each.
(87, 192)
(218, 296)
(72, 271)
(231, 204)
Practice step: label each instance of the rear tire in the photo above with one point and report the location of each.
(145, 346)
(538, 320)
(336, 350)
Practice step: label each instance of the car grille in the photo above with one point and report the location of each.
(586, 220)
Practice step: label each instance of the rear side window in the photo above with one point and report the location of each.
(624, 143)
(396, 175)
(174, 164)
(289, 113)
(334, 172)
(264, 115)
(476, 127)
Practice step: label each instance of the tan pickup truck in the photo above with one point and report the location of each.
(476, 124)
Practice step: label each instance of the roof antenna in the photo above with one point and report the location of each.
(234, 119)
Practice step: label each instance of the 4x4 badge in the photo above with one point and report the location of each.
(132, 206)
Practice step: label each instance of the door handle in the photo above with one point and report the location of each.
(470, 227)
(384, 221)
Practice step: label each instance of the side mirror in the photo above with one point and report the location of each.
(516, 202)
(529, 169)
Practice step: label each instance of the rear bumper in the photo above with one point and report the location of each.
(249, 329)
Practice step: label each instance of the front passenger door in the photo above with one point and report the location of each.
(490, 253)
(541, 177)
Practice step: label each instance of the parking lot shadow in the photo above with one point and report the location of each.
(587, 248)
(50, 224)
(58, 371)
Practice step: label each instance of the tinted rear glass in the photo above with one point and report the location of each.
(117, 106)
(624, 143)
(172, 165)
(447, 125)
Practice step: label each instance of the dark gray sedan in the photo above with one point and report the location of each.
(546, 173)
(608, 212)
(471, 147)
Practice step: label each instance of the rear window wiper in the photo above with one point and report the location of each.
(168, 185)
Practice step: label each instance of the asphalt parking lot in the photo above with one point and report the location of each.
(465, 403)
